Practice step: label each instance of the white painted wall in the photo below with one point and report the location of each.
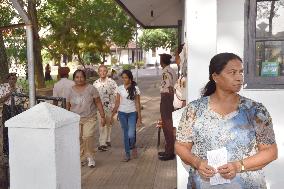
(44, 149)
(149, 59)
(201, 37)
(123, 57)
(215, 26)
(201, 33)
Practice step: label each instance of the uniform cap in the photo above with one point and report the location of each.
(165, 58)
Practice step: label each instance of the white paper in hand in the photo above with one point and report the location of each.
(217, 158)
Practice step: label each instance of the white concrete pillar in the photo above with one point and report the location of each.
(201, 18)
(44, 149)
(201, 37)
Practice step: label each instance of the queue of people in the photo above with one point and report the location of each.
(220, 119)
(97, 104)
(106, 98)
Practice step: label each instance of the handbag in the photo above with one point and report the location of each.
(179, 95)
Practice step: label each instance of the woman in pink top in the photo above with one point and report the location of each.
(84, 99)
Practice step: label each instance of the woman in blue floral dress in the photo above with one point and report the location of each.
(223, 118)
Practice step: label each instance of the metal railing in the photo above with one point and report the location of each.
(18, 108)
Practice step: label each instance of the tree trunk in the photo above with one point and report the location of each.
(65, 59)
(271, 16)
(3, 60)
(104, 58)
(81, 61)
(57, 63)
(39, 77)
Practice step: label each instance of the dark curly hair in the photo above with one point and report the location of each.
(131, 89)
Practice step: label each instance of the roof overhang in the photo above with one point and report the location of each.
(154, 13)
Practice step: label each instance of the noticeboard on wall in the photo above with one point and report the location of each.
(270, 69)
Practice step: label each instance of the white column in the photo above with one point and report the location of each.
(44, 149)
(201, 37)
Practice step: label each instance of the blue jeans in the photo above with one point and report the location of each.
(128, 125)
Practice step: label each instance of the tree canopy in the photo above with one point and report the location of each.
(79, 27)
(6, 16)
(154, 38)
(86, 28)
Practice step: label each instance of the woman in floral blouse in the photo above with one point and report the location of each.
(224, 119)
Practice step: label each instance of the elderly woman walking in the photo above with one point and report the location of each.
(223, 119)
(84, 99)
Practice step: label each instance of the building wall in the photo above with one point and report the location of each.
(126, 56)
(151, 58)
(201, 36)
(215, 26)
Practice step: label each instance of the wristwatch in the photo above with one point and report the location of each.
(242, 166)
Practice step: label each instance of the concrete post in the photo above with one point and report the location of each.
(44, 149)
(200, 17)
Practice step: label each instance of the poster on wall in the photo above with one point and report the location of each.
(269, 69)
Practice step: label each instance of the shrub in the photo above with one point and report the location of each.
(128, 66)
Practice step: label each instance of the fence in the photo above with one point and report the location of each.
(22, 102)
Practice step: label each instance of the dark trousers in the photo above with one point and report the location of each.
(6, 114)
(166, 109)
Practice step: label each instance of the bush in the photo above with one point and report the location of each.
(141, 64)
(24, 84)
(50, 83)
(128, 66)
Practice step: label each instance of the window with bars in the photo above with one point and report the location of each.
(264, 44)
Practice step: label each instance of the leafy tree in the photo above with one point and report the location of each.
(268, 10)
(16, 46)
(28, 7)
(84, 27)
(32, 12)
(3, 60)
(6, 16)
(154, 38)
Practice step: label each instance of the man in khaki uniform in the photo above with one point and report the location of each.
(166, 107)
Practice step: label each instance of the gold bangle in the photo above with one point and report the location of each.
(242, 166)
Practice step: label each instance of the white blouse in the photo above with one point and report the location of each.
(126, 105)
